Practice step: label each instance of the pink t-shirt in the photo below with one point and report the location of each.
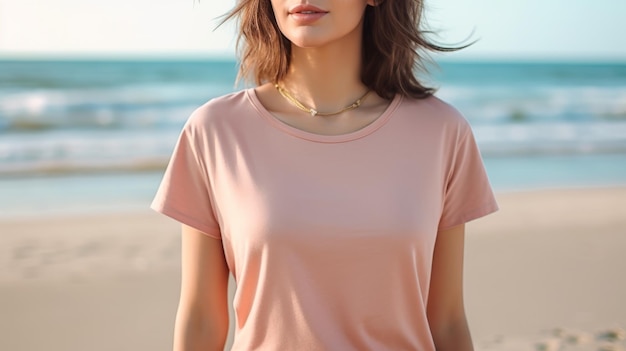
(329, 238)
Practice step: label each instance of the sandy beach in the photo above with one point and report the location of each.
(544, 273)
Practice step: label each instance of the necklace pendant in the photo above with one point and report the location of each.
(313, 112)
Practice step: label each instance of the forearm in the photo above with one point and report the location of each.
(454, 336)
(193, 332)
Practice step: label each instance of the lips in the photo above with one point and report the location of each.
(306, 10)
(306, 14)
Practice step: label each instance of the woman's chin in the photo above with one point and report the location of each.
(309, 43)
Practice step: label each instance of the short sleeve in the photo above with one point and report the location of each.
(468, 194)
(184, 193)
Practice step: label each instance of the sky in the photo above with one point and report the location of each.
(506, 29)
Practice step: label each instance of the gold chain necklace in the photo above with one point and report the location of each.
(314, 112)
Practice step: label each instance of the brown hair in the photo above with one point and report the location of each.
(394, 46)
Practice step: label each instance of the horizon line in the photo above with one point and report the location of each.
(182, 57)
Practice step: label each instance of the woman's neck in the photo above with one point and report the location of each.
(326, 78)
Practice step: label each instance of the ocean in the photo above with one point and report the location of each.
(83, 136)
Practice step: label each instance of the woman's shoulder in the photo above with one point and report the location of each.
(218, 108)
(436, 112)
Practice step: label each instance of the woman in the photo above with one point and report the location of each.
(335, 192)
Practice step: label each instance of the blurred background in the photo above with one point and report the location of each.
(93, 95)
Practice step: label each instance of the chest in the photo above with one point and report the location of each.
(310, 192)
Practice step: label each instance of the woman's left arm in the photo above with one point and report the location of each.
(445, 310)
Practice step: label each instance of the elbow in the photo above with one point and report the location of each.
(194, 331)
(452, 335)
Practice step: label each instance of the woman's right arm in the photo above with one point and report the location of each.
(202, 316)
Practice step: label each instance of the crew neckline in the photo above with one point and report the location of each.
(339, 138)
